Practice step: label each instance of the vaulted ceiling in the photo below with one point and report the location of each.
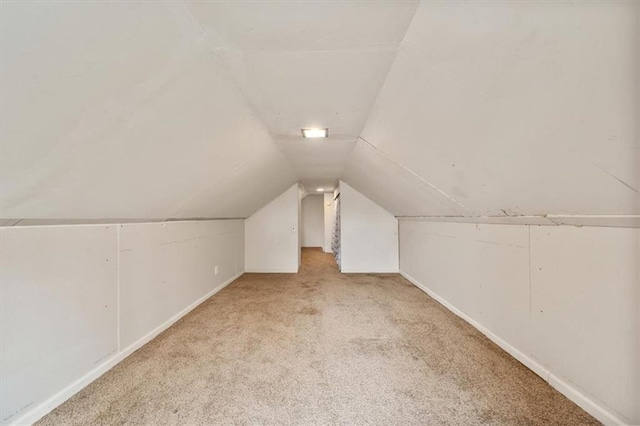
(308, 64)
(150, 110)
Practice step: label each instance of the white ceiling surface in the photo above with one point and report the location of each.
(183, 109)
(117, 110)
(308, 64)
(508, 108)
(149, 110)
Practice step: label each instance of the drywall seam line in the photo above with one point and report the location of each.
(616, 177)
(398, 239)
(637, 128)
(420, 178)
(530, 300)
(118, 285)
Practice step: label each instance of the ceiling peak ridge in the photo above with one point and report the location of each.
(393, 61)
(382, 47)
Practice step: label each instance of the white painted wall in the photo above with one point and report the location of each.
(562, 300)
(302, 193)
(165, 267)
(59, 310)
(313, 221)
(329, 220)
(78, 299)
(369, 234)
(272, 236)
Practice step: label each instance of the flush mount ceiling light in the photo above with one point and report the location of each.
(315, 133)
(319, 190)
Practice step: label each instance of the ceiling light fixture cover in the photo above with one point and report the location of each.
(319, 189)
(315, 133)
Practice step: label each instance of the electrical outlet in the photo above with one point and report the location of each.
(215, 270)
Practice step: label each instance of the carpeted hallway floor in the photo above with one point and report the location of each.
(319, 347)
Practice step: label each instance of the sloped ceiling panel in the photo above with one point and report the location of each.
(333, 89)
(395, 188)
(120, 110)
(308, 64)
(241, 189)
(318, 162)
(309, 25)
(516, 108)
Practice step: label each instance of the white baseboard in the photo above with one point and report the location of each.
(48, 405)
(596, 409)
(271, 271)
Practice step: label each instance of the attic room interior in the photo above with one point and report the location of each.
(320, 212)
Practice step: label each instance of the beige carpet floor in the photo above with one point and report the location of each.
(319, 347)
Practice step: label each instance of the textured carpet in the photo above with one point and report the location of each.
(319, 347)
